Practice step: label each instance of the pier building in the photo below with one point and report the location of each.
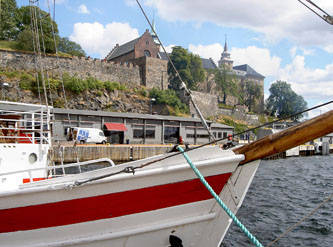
(137, 128)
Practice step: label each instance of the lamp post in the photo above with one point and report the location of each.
(152, 100)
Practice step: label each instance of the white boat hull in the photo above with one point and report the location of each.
(143, 209)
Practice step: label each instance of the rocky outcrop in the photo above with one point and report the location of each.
(116, 101)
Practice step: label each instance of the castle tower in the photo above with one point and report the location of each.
(225, 57)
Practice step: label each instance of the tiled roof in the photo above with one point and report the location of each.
(206, 63)
(122, 49)
(249, 71)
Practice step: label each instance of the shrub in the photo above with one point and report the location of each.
(111, 86)
(168, 97)
(74, 84)
(26, 82)
(93, 83)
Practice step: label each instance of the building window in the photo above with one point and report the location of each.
(147, 42)
(171, 134)
(150, 134)
(219, 135)
(214, 133)
(147, 53)
(138, 133)
(225, 134)
(203, 136)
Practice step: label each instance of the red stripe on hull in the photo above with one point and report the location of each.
(108, 206)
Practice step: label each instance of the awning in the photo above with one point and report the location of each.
(115, 126)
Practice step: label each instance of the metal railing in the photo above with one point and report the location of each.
(51, 170)
(25, 123)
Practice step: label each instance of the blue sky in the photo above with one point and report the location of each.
(282, 39)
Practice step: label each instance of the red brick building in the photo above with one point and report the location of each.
(143, 52)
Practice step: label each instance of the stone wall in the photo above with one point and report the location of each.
(240, 115)
(207, 103)
(81, 67)
(153, 72)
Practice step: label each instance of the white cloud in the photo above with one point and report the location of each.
(311, 83)
(207, 51)
(83, 9)
(260, 59)
(168, 48)
(293, 51)
(100, 39)
(329, 48)
(314, 84)
(321, 110)
(305, 52)
(275, 19)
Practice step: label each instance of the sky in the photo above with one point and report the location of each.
(280, 39)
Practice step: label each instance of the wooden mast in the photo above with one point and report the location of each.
(289, 138)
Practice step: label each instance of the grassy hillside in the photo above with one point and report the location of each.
(8, 45)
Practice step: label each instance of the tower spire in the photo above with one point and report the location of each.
(225, 44)
(225, 60)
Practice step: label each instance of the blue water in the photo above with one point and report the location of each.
(282, 192)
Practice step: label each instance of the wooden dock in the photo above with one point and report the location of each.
(117, 153)
(121, 153)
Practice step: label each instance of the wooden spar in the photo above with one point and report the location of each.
(289, 138)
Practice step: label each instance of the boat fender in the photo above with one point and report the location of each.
(175, 241)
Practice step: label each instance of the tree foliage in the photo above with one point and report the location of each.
(26, 37)
(283, 101)
(225, 81)
(189, 67)
(70, 47)
(168, 97)
(249, 91)
(8, 20)
(16, 24)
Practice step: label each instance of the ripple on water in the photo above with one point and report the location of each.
(283, 191)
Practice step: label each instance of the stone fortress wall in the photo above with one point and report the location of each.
(147, 71)
(82, 67)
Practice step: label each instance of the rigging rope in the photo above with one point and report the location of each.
(44, 53)
(326, 17)
(253, 239)
(35, 53)
(132, 169)
(58, 62)
(183, 85)
(38, 50)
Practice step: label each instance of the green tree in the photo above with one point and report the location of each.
(26, 37)
(283, 101)
(189, 67)
(225, 81)
(249, 91)
(70, 47)
(8, 20)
